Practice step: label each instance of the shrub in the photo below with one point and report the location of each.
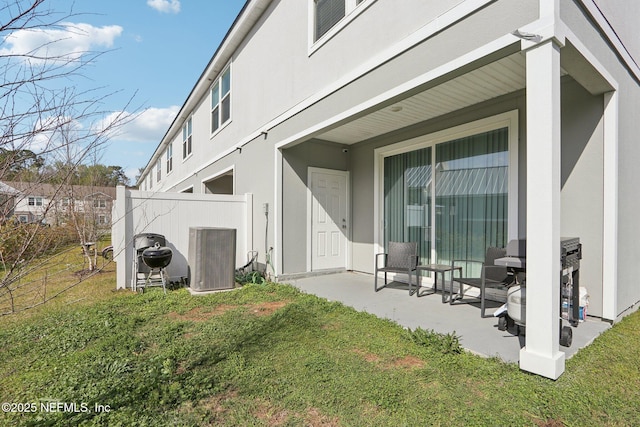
(25, 241)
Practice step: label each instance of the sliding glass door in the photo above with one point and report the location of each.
(469, 180)
(472, 184)
(407, 200)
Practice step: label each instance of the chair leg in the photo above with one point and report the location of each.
(482, 305)
(375, 282)
(460, 295)
(410, 283)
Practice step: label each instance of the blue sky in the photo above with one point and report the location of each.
(156, 50)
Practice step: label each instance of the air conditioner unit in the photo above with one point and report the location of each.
(212, 255)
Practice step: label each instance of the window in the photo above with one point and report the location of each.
(23, 219)
(99, 203)
(158, 170)
(35, 201)
(221, 100)
(186, 139)
(169, 156)
(328, 13)
(102, 219)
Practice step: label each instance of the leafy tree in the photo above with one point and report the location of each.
(20, 165)
(101, 175)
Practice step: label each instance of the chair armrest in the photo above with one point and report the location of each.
(377, 259)
(466, 262)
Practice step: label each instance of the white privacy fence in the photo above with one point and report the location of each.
(171, 215)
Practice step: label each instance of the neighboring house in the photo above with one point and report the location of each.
(458, 124)
(7, 201)
(52, 204)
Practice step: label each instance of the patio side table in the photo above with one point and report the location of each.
(437, 269)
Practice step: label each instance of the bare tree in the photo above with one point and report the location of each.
(43, 111)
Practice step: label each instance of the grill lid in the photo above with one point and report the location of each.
(157, 256)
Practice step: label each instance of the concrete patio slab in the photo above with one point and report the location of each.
(477, 335)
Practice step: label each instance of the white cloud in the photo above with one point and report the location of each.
(67, 43)
(148, 126)
(166, 6)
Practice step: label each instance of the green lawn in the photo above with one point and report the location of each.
(270, 355)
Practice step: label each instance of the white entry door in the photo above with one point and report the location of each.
(329, 220)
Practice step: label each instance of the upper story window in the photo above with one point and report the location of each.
(328, 13)
(169, 157)
(221, 100)
(35, 201)
(186, 138)
(99, 203)
(158, 170)
(328, 17)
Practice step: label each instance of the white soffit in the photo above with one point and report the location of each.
(490, 81)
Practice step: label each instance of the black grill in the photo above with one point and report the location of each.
(571, 252)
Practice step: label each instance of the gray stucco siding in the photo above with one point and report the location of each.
(582, 180)
(628, 250)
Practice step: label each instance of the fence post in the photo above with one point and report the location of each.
(119, 235)
(249, 220)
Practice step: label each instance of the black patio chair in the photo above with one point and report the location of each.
(402, 257)
(491, 276)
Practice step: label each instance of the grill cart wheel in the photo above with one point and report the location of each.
(502, 323)
(566, 336)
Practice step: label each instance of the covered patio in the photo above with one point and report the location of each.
(516, 139)
(477, 335)
(553, 108)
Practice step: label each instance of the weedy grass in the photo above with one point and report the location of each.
(53, 276)
(269, 355)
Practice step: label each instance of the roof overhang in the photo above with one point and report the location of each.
(478, 83)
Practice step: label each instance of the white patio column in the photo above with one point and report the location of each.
(541, 353)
